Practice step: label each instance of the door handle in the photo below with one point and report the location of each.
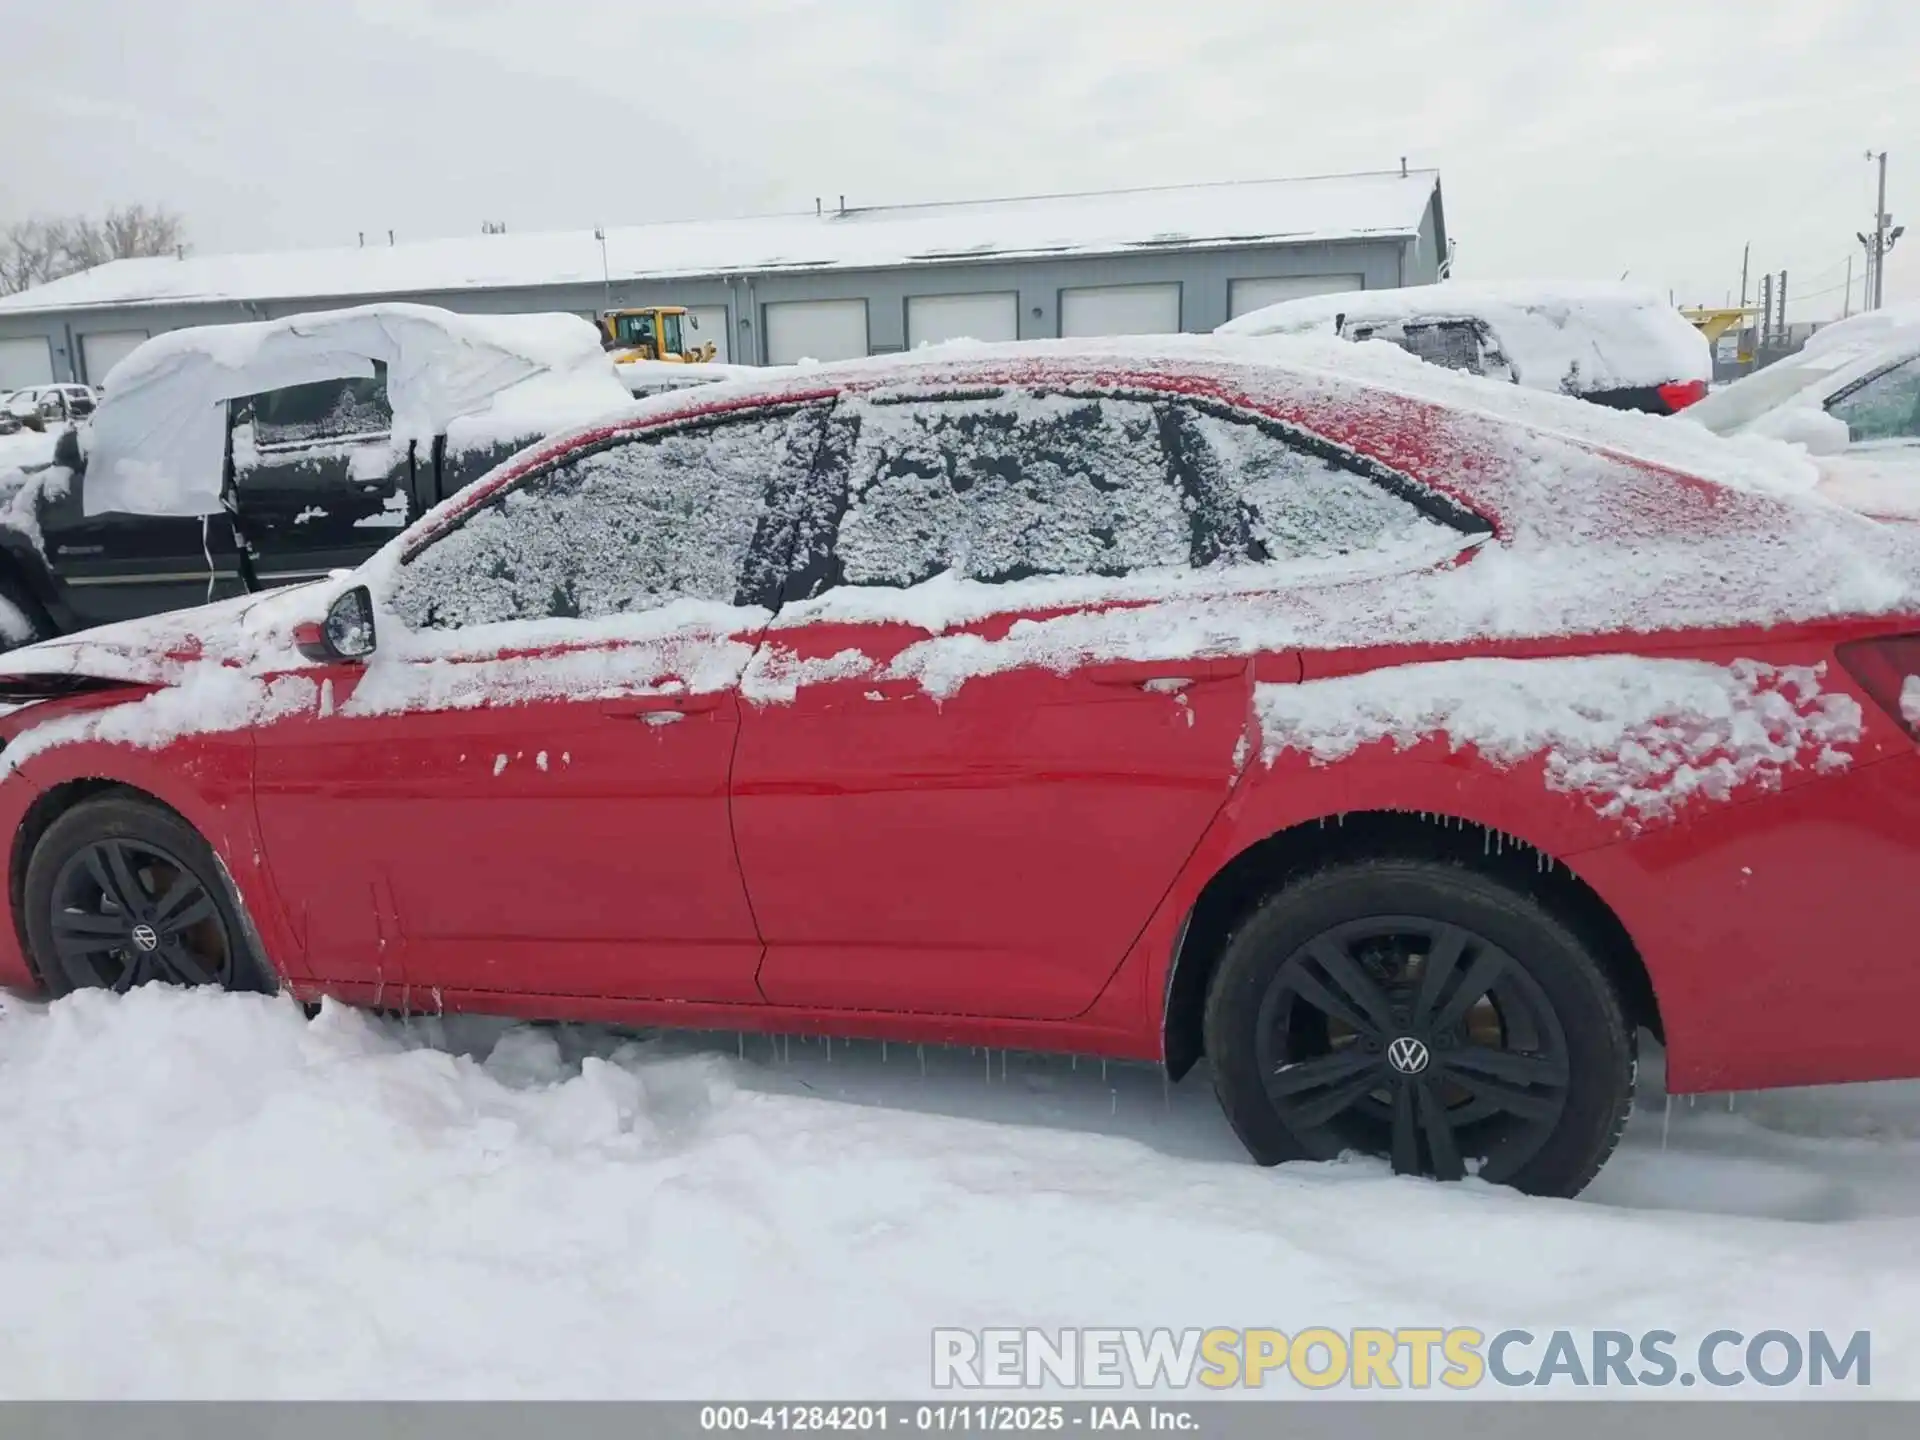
(1171, 674)
(638, 707)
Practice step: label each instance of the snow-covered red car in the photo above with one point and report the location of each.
(1617, 345)
(1404, 744)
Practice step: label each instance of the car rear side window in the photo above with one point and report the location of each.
(1300, 501)
(1007, 486)
(691, 513)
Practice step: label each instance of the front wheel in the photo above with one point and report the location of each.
(122, 892)
(1420, 1011)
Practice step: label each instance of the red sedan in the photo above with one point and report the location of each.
(1402, 744)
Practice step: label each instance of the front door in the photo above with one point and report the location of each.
(526, 788)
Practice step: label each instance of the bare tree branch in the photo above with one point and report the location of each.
(33, 252)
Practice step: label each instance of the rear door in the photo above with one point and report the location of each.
(972, 806)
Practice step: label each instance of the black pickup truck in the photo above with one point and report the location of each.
(312, 481)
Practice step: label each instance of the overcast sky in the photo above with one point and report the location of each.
(1581, 138)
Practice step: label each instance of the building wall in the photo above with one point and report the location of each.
(1204, 277)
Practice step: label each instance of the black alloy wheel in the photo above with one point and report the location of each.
(1413, 1038)
(1422, 1012)
(122, 893)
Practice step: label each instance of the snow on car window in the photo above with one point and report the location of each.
(323, 410)
(657, 518)
(1000, 489)
(1302, 505)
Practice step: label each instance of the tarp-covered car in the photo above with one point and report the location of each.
(223, 458)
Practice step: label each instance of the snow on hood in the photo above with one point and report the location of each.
(157, 442)
(1574, 337)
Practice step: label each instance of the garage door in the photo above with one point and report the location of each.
(712, 326)
(25, 362)
(104, 349)
(816, 330)
(1245, 295)
(933, 318)
(1120, 310)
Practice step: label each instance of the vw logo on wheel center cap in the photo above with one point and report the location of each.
(147, 938)
(1408, 1055)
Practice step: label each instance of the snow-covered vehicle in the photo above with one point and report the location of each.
(1615, 345)
(1852, 398)
(1402, 742)
(225, 458)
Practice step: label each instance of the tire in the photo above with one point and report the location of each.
(22, 620)
(1423, 1011)
(182, 924)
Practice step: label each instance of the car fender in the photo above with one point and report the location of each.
(1512, 804)
(206, 778)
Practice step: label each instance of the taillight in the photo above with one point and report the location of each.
(1889, 671)
(1678, 394)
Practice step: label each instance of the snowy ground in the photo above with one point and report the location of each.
(215, 1196)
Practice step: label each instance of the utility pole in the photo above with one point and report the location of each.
(1745, 251)
(1766, 313)
(1781, 296)
(1846, 295)
(1885, 232)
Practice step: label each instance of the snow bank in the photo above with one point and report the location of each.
(157, 442)
(1573, 337)
(257, 1205)
(1638, 737)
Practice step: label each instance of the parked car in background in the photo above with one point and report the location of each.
(226, 458)
(1403, 743)
(1616, 345)
(1852, 399)
(51, 404)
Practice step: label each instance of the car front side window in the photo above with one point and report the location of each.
(1885, 407)
(691, 513)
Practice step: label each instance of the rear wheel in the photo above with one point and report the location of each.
(121, 892)
(1426, 1013)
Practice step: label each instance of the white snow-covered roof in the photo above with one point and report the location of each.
(157, 442)
(1610, 336)
(1333, 207)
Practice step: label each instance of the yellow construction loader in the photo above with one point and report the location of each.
(658, 333)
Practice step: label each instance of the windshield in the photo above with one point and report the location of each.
(635, 329)
(670, 334)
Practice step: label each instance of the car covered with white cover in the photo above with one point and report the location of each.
(1616, 345)
(226, 458)
(1851, 398)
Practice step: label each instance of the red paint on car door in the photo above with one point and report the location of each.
(560, 846)
(993, 852)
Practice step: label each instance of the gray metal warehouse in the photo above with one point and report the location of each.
(829, 284)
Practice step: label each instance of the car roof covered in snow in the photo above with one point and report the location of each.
(1242, 213)
(1606, 523)
(1605, 336)
(157, 442)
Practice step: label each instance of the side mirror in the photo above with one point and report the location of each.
(66, 451)
(345, 634)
